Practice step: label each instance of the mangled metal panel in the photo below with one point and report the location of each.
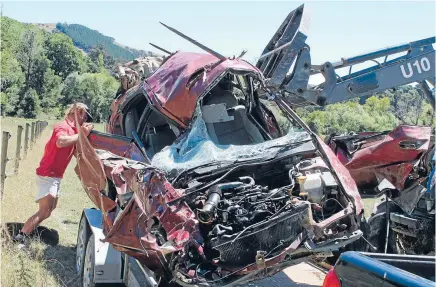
(377, 157)
(176, 86)
(142, 192)
(130, 74)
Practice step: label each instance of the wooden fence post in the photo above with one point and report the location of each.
(36, 130)
(32, 136)
(4, 160)
(18, 150)
(26, 139)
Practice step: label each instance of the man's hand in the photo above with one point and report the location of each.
(87, 128)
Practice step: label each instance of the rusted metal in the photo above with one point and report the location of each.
(26, 139)
(4, 159)
(18, 149)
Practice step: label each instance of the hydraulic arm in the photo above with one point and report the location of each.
(287, 66)
(417, 66)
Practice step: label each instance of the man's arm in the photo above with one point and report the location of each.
(66, 141)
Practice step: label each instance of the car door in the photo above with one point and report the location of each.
(91, 151)
(285, 61)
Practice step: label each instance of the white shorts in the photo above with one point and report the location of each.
(47, 185)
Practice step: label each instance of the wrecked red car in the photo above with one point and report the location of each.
(209, 179)
(397, 155)
(396, 163)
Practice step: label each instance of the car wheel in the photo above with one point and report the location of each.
(82, 239)
(89, 264)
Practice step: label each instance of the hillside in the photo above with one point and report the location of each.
(85, 38)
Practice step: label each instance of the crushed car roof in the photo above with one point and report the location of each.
(175, 87)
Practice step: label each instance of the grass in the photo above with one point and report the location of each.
(41, 264)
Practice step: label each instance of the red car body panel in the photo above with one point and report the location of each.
(175, 87)
(130, 231)
(344, 176)
(383, 157)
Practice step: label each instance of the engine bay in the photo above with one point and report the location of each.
(258, 212)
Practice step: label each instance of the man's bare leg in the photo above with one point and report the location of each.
(46, 205)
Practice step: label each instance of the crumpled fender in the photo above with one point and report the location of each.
(130, 228)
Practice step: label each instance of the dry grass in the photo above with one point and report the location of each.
(41, 264)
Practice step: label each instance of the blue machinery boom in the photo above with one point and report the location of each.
(287, 66)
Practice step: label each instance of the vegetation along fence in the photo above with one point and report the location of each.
(31, 133)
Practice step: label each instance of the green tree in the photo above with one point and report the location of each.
(374, 115)
(28, 107)
(29, 51)
(50, 93)
(101, 58)
(427, 117)
(70, 89)
(87, 39)
(11, 34)
(37, 75)
(64, 57)
(95, 90)
(407, 103)
(12, 81)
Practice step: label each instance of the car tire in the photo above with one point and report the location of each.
(83, 235)
(89, 264)
(377, 233)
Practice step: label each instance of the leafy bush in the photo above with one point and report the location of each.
(44, 72)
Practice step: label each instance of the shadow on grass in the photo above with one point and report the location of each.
(44, 234)
(43, 246)
(61, 262)
(73, 222)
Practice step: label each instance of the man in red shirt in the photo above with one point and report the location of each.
(57, 155)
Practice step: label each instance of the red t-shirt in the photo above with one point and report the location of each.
(55, 160)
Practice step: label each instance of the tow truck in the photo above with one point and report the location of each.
(98, 262)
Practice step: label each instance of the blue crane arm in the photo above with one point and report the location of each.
(286, 65)
(417, 66)
(385, 52)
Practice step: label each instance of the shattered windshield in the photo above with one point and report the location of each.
(197, 147)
